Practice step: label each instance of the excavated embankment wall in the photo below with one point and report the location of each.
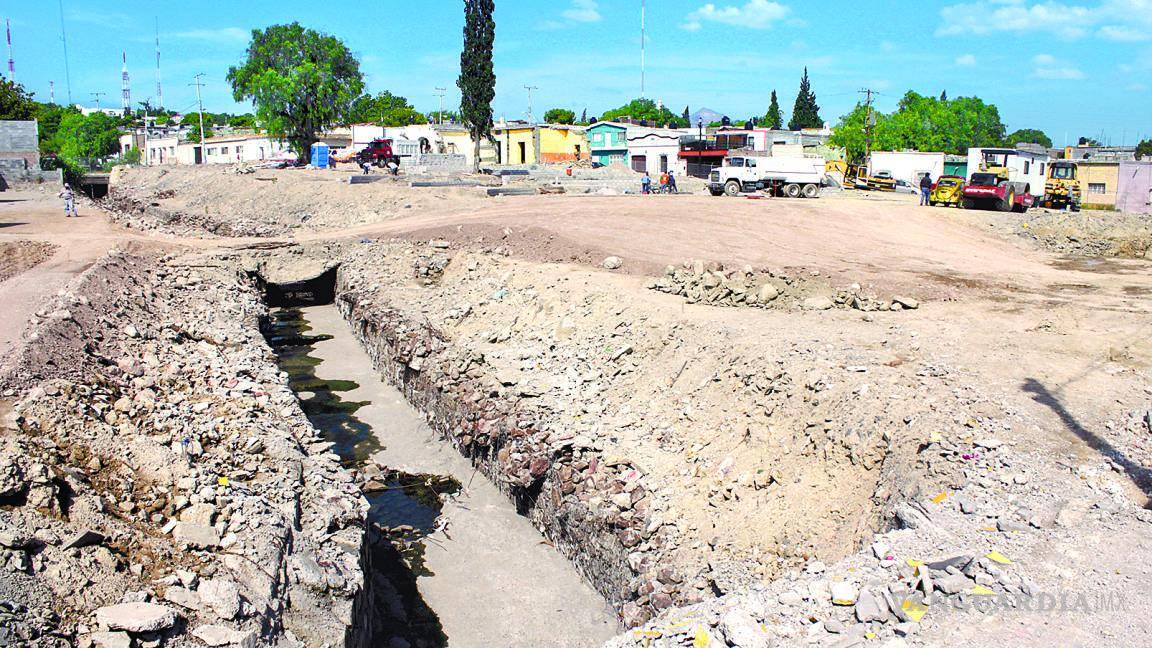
(593, 508)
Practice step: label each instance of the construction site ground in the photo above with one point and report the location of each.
(995, 366)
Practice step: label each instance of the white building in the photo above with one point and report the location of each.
(656, 150)
(234, 149)
(161, 151)
(908, 166)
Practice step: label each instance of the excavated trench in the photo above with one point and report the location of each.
(446, 556)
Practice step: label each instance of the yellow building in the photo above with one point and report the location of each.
(560, 143)
(1099, 182)
(516, 143)
(457, 141)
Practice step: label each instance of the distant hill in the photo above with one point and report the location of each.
(707, 115)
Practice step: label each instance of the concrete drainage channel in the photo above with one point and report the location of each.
(447, 558)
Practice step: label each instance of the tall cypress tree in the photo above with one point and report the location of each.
(805, 113)
(477, 80)
(687, 116)
(774, 119)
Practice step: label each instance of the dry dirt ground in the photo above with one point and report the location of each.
(1047, 353)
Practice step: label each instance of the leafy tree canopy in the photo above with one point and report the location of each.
(1088, 141)
(448, 116)
(301, 82)
(384, 109)
(922, 124)
(15, 102)
(94, 136)
(1144, 149)
(646, 110)
(1030, 136)
(559, 116)
(49, 116)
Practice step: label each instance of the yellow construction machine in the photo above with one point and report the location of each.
(1062, 187)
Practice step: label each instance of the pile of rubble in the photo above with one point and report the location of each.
(711, 283)
(160, 480)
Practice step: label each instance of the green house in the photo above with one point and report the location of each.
(608, 142)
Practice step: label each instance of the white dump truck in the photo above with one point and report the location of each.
(791, 177)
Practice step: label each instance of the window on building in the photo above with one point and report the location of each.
(224, 150)
(1097, 188)
(1027, 166)
(618, 138)
(212, 151)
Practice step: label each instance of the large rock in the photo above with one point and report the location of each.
(222, 596)
(110, 640)
(137, 617)
(197, 535)
(201, 514)
(214, 635)
(870, 607)
(817, 304)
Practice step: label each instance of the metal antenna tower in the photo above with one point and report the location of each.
(64, 40)
(643, 45)
(11, 61)
(531, 119)
(125, 88)
(159, 89)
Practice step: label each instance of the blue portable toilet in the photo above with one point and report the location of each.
(320, 153)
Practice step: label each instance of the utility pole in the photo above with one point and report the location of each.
(531, 119)
(200, 102)
(440, 115)
(869, 122)
(643, 45)
(97, 96)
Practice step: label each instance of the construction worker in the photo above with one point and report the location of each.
(69, 201)
(664, 182)
(926, 190)
(646, 184)
(672, 183)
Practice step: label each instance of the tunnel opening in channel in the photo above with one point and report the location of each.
(316, 291)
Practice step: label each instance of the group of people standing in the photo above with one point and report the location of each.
(667, 183)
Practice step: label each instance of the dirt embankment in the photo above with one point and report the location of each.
(18, 256)
(218, 201)
(1085, 233)
(157, 477)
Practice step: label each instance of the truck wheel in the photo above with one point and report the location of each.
(967, 203)
(716, 192)
(811, 191)
(732, 187)
(792, 190)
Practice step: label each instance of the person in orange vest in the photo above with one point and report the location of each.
(664, 182)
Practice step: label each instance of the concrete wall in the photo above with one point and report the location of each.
(562, 144)
(19, 151)
(1134, 191)
(1099, 182)
(518, 145)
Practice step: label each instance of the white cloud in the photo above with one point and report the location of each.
(586, 11)
(222, 35)
(1123, 33)
(1063, 20)
(1046, 66)
(754, 14)
(966, 60)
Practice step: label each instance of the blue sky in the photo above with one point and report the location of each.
(1080, 67)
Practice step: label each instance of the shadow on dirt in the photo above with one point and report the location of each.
(1139, 474)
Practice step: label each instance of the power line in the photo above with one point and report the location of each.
(97, 96)
(64, 40)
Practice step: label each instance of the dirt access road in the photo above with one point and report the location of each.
(890, 243)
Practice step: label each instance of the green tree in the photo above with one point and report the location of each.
(94, 136)
(49, 116)
(943, 95)
(384, 109)
(559, 116)
(15, 103)
(477, 80)
(805, 112)
(584, 117)
(1029, 136)
(1144, 149)
(434, 117)
(922, 124)
(1087, 141)
(301, 82)
(646, 110)
(773, 118)
(192, 120)
(686, 115)
(246, 121)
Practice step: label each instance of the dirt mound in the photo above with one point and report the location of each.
(21, 255)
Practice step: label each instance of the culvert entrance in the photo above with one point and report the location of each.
(447, 558)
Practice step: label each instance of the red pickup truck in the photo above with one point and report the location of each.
(379, 153)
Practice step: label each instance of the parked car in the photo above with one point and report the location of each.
(903, 186)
